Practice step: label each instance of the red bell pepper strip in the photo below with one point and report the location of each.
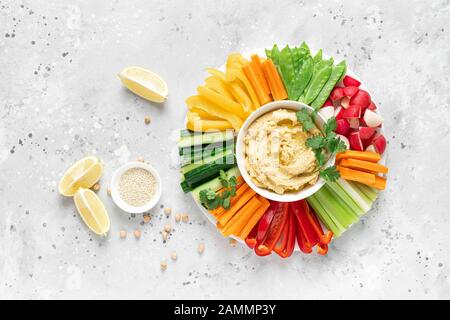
(324, 238)
(282, 241)
(322, 249)
(266, 220)
(302, 242)
(274, 232)
(289, 241)
(310, 231)
(251, 238)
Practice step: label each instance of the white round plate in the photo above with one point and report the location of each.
(262, 53)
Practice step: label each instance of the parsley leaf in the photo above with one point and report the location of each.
(211, 200)
(320, 158)
(316, 142)
(330, 126)
(305, 119)
(330, 174)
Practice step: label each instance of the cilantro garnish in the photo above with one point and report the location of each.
(211, 200)
(330, 174)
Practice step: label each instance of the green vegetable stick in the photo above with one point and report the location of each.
(317, 82)
(303, 77)
(287, 69)
(335, 76)
(275, 56)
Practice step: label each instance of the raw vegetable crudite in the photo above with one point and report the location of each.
(352, 133)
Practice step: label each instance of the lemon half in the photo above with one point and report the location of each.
(83, 174)
(92, 211)
(144, 83)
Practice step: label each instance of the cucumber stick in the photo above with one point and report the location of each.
(206, 160)
(206, 138)
(214, 184)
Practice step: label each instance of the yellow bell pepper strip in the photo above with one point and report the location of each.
(233, 74)
(222, 101)
(216, 84)
(199, 102)
(195, 123)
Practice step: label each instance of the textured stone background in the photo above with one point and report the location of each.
(61, 100)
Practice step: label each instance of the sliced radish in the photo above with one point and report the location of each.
(350, 91)
(344, 138)
(338, 112)
(361, 98)
(366, 132)
(349, 81)
(337, 94)
(345, 102)
(372, 106)
(379, 142)
(353, 122)
(362, 123)
(372, 119)
(326, 112)
(368, 142)
(353, 111)
(371, 148)
(328, 103)
(342, 126)
(355, 141)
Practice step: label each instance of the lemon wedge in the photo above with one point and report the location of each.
(92, 211)
(83, 174)
(144, 83)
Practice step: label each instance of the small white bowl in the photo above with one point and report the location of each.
(115, 188)
(240, 152)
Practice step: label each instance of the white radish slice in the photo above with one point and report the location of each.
(344, 138)
(372, 119)
(327, 112)
(371, 148)
(345, 102)
(354, 123)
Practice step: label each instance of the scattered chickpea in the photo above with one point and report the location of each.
(163, 265)
(177, 217)
(185, 218)
(167, 211)
(174, 256)
(137, 233)
(108, 191)
(123, 234)
(147, 120)
(96, 187)
(201, 248)
(165, 235)
(167, 227)
(140, 159)
(146, 218)
(233, 242)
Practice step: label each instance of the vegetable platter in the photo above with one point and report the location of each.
(352, 136)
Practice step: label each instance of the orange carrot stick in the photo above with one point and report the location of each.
(259, 71)
(239, 192)
(275, 83)
(227, 215)
(251, 74)
(360, 155)
(356, 175)
(380, 183)
(236, 222)
(363, 165)
(255, 218)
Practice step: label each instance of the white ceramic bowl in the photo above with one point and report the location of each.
(115, 188)
(240, 152)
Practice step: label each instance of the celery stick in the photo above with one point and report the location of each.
(347, 212)
(363, 202)
(331, 204)
(356, 207)
(369, 192)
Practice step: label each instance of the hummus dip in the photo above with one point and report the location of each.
(276, 157)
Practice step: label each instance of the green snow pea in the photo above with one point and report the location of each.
(322, 72)
(287, 70)
(303, 77)
(336, 74)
